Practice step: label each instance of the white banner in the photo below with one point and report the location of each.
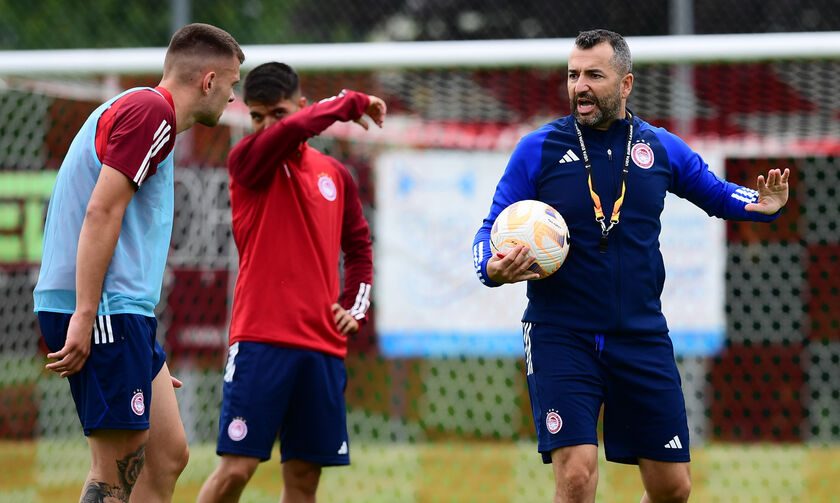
(429, 205)
(693, 245)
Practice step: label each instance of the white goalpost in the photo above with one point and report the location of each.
(454, 54)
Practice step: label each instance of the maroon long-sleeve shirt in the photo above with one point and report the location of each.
(295, 210)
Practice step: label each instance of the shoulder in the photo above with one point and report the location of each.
(242, 144)
(671, 142)
(144, 100)
(337, 165)
(140, 109)
(533, 141)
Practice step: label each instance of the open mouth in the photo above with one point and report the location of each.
(584, 105)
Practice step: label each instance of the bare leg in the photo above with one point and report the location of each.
(575, 473)
(300, 481)
(226, 483)
(166, 452)
(117, 456)
(665, 482)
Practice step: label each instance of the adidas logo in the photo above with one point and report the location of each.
(343, 449)
(569, 157)
(674, 443)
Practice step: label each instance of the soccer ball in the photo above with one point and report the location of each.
(536, 225)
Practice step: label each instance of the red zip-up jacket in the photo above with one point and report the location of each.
(295, 210)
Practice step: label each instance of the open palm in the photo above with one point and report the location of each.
(772, 193)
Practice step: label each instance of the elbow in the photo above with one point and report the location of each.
(100, 214)
(96, 211)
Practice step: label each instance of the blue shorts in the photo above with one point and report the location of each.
(113, 389)
(571, 374)
(296, 394)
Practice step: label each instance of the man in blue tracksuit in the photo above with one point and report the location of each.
(594, 331)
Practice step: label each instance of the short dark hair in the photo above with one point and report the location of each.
(270, 83)
(621, 59)
(201, 39)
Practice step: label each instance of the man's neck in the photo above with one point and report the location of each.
(181, 100)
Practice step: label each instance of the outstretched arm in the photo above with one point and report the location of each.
(254, 159)
(772, 193)
(693, 180)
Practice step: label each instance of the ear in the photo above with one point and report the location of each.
(626, 85)
(207, 82)
(302, 102)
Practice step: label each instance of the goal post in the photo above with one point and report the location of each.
(441, 54)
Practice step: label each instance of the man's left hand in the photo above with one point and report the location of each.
(343, 320)
(773, 193)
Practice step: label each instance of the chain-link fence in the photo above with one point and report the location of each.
(450, 427)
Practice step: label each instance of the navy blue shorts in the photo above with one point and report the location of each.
(113, 389)
(296, 394)
(571, 374)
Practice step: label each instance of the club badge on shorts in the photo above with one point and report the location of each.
(642, 155)
(237, 429)
(138, 404)
(327, 187)
(553, 421)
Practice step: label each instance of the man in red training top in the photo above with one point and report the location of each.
(295, 210)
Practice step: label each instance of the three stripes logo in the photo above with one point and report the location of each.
(570, 156)
(230, 367)
(159, 139)
(745, 195)
(526, 338)
(674, 443)
(362, 303)
(478, 254)
(102, 331)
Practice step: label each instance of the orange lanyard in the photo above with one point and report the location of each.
(619, 198)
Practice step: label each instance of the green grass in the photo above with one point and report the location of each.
(52, 470)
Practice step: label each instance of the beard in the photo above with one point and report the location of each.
(606, 111)
(211, 110)
(208, 118)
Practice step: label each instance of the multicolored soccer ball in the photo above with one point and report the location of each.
(536, 225)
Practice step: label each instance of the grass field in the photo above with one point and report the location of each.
(49, 470)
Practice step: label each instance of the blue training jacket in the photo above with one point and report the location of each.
(616, 291)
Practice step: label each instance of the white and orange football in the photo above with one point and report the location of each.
(536, 225)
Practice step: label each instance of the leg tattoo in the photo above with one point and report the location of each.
(128, 470)
(101, 492)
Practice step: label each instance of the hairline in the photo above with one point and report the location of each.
(621, 59)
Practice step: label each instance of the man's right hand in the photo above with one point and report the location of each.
(72, 357)
(511, 267)
(376, 110)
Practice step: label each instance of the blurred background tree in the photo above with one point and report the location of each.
(52, 24)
